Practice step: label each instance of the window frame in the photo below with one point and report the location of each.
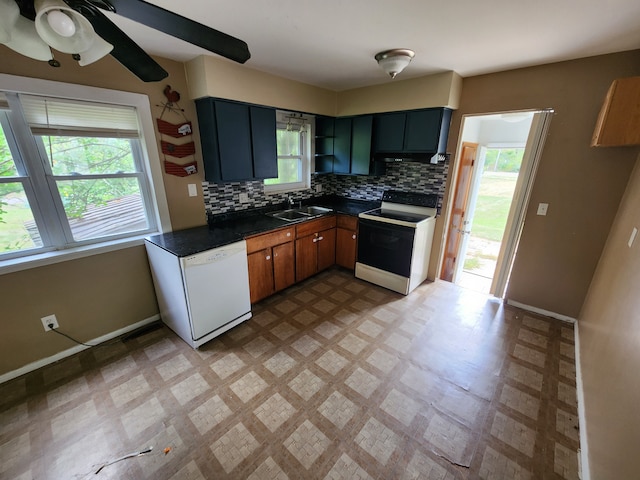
(282, 120)
(45, 215)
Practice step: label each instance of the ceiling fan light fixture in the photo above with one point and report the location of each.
(83, 34)
(394, 61)
(10, 14)
(99, 48)
(61, 23)
(25, 41)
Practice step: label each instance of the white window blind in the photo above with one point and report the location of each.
(51, 116)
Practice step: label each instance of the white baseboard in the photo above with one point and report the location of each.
(583, 453)
(541, 311)
(73, 350)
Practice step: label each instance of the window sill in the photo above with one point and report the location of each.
(274, 189)
(49, 258)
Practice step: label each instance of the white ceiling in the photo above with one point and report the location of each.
(331, 43)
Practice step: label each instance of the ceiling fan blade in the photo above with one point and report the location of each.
(181, 27)
(125, 50)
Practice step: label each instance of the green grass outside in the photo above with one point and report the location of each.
(492, 207)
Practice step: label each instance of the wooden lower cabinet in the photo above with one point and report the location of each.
(315, 246)
(284, 258)
(326, 249)
(276, 261)
(346, 241)
(270, 258)
(261, 283)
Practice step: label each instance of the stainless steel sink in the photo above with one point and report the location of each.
(313, 210)
(289, 215)
(294, 214)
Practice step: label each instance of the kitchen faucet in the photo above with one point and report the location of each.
(292, 202)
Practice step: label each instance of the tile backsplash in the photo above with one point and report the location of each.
(407, 176)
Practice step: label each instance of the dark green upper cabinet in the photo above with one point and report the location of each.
(238, 140)
(263, 141)
(352, 145)
(361, 129)
(389, 132)
(324, 144)
(412, 132)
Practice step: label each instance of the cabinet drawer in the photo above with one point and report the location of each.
(260, 242)
(314, 226)
(347, 222)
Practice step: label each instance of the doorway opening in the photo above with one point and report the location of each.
(495, 170)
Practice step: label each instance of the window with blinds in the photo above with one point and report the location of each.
(71, 173)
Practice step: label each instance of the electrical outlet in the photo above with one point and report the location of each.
(542, 208)
(49, 320)
(319, 188)
(193, 191)
(244, 198)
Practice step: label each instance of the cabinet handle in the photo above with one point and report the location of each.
(288, 234)
(353, 236)
(315, 240)
(320, 238)
(268, 257)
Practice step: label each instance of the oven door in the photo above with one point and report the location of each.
(386, 246)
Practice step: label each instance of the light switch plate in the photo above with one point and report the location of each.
(318, 188)
(193, 191)
(634, 232)
(542, 208)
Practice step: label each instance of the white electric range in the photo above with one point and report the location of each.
(395, 240)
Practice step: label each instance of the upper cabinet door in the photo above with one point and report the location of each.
(342, 146)
(361, 144)
(389, 132)
(238, 140)
(234, 141)
(422, 131)
(263, 135)
(413, 132)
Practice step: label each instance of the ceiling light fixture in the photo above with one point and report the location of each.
(395, 60)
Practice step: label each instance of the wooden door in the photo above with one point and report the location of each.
(306, 257)
(284, 272)
(326, 248)
(260, 275)
(457, 223)
(346, 248)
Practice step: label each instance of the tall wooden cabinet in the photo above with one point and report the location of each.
(619, 120)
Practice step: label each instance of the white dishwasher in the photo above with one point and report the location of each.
(203, 295)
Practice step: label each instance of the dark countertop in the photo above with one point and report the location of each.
(232, 227)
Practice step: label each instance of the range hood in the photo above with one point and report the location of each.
(412, 157)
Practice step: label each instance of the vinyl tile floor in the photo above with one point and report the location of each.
(334, 378)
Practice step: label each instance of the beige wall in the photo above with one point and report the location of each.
(609, 328)
(440, 90)
(100, 294)
(558, 253)
(213, 77)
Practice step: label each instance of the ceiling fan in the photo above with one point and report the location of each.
(78, 27)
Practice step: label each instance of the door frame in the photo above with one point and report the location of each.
(519, 204)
